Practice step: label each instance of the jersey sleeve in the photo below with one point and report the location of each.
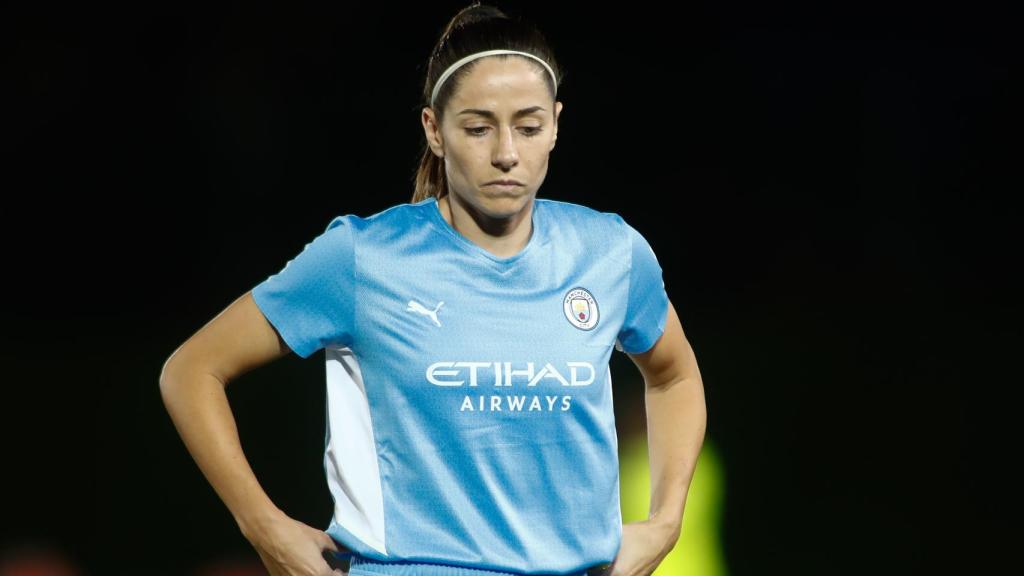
(647, 307)
(310, 302)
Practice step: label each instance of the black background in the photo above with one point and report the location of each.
(830, 193)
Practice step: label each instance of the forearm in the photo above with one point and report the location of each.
(676, 421)
(198, 405)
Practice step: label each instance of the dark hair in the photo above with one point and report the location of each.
(473, 29)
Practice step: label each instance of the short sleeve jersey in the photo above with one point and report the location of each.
(470, 425)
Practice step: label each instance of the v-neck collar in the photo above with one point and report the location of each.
(537, 236)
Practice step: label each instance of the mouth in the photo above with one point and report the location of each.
(504, 183)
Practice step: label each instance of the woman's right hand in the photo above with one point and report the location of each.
(288, 547)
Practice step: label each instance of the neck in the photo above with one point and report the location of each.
(501, 236)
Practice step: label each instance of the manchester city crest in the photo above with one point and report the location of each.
(580, 308)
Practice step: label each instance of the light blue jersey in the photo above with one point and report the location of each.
(470, 424)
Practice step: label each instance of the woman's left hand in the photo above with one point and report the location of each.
(644, 546)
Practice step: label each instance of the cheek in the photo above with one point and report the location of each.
(460, 149)
(471, 158)
(459, 168)
(457, 160)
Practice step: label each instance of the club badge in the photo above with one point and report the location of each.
(580, 308)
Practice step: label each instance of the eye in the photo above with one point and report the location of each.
(529, 131)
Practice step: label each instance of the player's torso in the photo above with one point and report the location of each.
(488, 392)
(469, 341)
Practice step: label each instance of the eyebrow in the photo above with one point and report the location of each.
(490, 114)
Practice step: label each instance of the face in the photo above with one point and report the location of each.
(484, 135)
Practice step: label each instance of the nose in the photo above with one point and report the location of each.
(506, 155)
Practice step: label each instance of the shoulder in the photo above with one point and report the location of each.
(395, 217)
(578, 213)
(584, 222)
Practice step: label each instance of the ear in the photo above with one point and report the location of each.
(554, 130)
(432, 131)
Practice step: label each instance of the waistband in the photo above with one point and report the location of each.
(408, 568)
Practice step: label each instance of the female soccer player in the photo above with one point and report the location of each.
(467, 336)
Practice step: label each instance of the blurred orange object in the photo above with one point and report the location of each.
(36, 561)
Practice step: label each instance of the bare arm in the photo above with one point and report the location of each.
(676, 421)
(192, 385)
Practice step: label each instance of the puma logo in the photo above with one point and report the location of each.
(415, 306)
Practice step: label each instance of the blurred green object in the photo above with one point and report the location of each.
(699, 549)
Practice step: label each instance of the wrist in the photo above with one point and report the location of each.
(666, 528)
(255, 523)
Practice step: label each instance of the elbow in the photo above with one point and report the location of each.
(178, 371)
(178, 384)
(168, 376)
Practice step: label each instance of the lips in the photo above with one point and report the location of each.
(504, 183)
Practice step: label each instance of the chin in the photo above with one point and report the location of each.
(506, 204)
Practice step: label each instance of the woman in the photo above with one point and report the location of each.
(467, 336)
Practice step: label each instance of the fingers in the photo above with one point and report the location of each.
(328, 571)
(329, 542)
(334, 563)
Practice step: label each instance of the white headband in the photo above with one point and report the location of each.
(451, 69)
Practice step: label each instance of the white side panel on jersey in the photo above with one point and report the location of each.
(350, 457)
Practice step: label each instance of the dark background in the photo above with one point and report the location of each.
(830, 193)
